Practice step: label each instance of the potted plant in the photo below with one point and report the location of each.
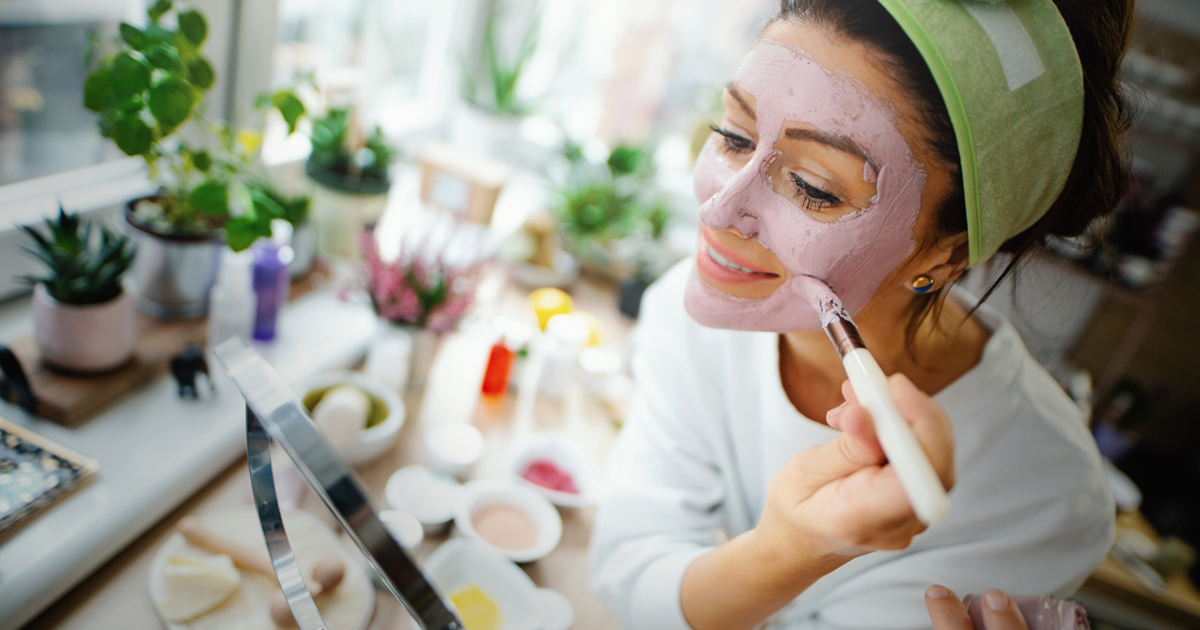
(146, 86)
(599, 204)
(83, 318)
(352, 170)
(646, 254)
(422, 292)
(492, 110)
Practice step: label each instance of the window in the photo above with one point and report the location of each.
(44, 128)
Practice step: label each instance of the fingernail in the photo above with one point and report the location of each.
(996, 600)
(937, 592)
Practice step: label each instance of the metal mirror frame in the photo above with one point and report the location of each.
(274, 413)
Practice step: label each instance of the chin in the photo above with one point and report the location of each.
(785, 310)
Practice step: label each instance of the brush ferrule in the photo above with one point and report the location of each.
(844, 335)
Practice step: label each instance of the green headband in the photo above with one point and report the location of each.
(1011, 80)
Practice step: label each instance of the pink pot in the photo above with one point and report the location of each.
(90, 338)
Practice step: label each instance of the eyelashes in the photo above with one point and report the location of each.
(811, 198)
(733, 142)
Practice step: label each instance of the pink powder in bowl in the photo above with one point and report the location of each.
(547, 474)
(505, 526)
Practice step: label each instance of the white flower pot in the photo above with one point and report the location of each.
(89, 338)
(495, 135)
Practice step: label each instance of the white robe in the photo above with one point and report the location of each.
(1031, 510)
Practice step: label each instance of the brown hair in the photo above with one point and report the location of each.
(1101, 30)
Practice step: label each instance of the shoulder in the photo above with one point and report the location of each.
(1021, 440)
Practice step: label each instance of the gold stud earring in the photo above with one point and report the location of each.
(923, 284)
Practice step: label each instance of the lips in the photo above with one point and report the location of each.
(724, 266)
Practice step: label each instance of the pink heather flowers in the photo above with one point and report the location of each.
(418, 289)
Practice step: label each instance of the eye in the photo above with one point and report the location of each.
(734, 143)
(813, 198)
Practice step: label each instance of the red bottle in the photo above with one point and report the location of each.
(495, 377)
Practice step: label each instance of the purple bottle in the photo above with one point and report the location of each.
(270, 273)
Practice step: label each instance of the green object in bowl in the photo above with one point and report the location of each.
(375, 417)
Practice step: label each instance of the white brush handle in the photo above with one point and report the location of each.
(899, 443)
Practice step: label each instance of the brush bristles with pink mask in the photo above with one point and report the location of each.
(905, 454)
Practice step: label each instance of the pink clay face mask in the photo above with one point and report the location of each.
(853, 254)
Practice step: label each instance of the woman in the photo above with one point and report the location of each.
(882, 146)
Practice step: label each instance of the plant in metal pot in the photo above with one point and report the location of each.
(147, 85)
(83, 319)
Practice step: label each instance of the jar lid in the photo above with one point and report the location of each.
(274, 413)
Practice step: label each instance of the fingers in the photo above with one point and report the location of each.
(929, 423)
(855, 421)
(854, 449)
(945, 611)
(1000, 612)
(832, 417)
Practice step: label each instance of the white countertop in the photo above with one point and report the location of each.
(155, 451)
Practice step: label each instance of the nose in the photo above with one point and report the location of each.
(735, 204)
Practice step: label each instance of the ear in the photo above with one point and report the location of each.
(948, 259)
(943, 263)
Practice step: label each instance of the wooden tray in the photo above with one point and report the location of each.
(69, 399)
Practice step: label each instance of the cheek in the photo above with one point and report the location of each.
(711, 173)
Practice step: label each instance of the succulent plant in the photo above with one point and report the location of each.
(80, 272)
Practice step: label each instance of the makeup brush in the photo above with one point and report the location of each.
(905, 454)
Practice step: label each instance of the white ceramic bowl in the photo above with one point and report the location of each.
(376, 440)
(559, 448)
(459, 563)
(431, 497)
(485, 493)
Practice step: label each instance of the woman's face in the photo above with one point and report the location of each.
(818, 168)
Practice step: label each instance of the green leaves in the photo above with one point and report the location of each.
(164, 57)
(158, 10)
(267, 203)
(501, 77)
(152, 83)
(171, 102)
(289, 106)
(200, 72)
(193, 26)
(201, 160)
(79, 272)
(133, 36)
(130, 75)
(98, 90)
(627, 160)
(211, 197)
(132, 135)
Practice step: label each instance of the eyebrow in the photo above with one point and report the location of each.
(841, 143)
(737, 96)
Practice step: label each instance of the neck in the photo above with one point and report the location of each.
(941, 351)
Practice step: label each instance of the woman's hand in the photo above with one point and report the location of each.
(947, 612)
(826, 505)
(842, 498)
